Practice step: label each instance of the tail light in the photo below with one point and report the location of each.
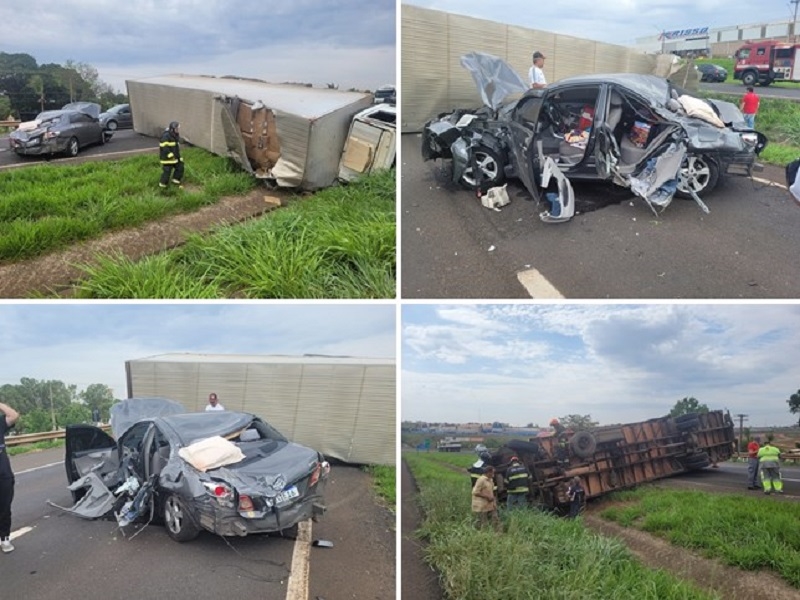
(48, 135)
(245, 503)
(219, 490)
(315, 474)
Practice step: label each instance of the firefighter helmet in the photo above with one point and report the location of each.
(514, 459)
(174, 125)
(553, 422)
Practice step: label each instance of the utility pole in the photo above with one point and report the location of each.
(794, 20)
(52, 410)
(742, 417)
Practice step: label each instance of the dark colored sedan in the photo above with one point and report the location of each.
(637, 131)
(55, 131)
(117, 117)
(227, 472)
(713, 73)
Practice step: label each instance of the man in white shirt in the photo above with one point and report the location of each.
(213, 403)
(535, 74)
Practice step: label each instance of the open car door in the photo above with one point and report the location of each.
(89, 448)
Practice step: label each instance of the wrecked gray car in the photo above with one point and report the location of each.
(227, 472)
(75, 126)
(638, 131)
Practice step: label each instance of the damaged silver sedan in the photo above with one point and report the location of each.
(638, 131)
(227, 472)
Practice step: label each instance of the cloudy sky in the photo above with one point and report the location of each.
(347, 42)
(83, 344)
(616, 21)
(618, 363)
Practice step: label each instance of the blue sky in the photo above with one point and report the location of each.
(348, 42)
(83, 344)
(521, 363)
(616, 21)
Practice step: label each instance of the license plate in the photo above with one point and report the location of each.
(287, 495)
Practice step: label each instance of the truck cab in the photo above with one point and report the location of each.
(766, 61)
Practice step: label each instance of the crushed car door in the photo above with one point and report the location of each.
(606, 152)
(524, 151)
(89, 448)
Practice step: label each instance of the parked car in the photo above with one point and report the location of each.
(711, 72)
(638, 131)
(228, 472)
(117, 117)
(67, 130)
(386, 93)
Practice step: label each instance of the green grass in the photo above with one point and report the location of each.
(339, 243)
(49, 207)
(747, 532)
(536, 557)
(385, 481)
(34, 447)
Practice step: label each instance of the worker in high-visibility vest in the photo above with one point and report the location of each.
(770, 465)
(517, 484)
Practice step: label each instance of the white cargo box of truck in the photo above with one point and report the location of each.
(291, 134)
(343, 407)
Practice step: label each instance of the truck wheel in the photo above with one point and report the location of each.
(583, 444)
(749, 78)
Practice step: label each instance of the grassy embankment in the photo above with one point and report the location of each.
(340, 243)
(385, 481)
(749, 532)
(35, 447)
(537, 556)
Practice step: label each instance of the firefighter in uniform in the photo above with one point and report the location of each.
(517, 484)
(170, 156)
(476, 470)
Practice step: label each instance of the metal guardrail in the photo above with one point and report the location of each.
(42, 436)
(10, 123)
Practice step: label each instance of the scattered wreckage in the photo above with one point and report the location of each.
(616, 457)
(227, 472)
(637, 131)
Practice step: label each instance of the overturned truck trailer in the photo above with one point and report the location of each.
(618, 456)
(290, 134)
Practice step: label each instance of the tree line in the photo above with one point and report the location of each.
(46, 405)
(27, 88)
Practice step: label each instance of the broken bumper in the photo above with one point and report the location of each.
(230, 522)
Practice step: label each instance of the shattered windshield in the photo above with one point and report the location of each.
(495, 79)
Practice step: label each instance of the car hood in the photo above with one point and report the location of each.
(127, 412)
(90, 108)
(493, 76)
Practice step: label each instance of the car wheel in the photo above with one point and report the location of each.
(178, 521)
(491, 167)
(698, 173)
(749, 78)
(73, 147)
(112, 125)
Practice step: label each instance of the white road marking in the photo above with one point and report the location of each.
(20, 532)
(32, 469)
(537, 285)
(769, 182)
(297, 587)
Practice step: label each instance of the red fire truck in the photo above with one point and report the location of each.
(766, 61)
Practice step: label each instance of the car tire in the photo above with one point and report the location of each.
(178, 521)
(112, 125)
(490, 163)
(699, 173)
(749, 78)
(73, 147)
